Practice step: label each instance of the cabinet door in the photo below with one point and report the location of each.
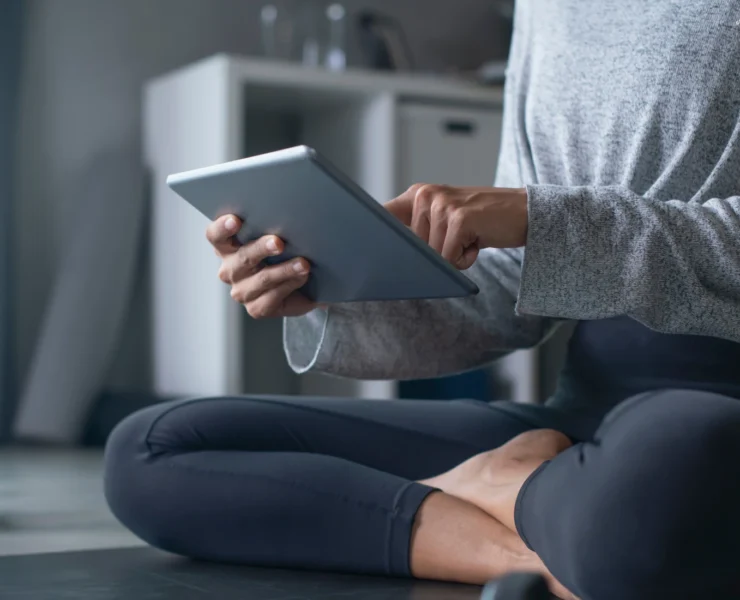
(448, 145)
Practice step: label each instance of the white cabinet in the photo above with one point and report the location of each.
(448, 144)
(385, 131)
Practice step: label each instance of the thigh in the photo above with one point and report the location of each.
(649, 507)
(412, 439)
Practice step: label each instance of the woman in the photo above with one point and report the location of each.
(616, 206)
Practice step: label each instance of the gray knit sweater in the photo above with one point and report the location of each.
(622, 119)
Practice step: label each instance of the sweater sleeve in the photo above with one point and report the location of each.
(420, 338)
(599, 252)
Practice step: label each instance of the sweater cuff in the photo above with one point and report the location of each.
(304, 340)
(542, 280)
(576, 254)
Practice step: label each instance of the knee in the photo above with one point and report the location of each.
(658, 516)
(130, 485)
(676, 435)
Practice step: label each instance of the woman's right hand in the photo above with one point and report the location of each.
(264, 290)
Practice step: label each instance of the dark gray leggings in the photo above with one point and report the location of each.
(649, 508)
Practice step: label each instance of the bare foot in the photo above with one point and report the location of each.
(453, 540)
(492, 480)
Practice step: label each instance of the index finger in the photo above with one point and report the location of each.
(403, 207)
(221, 233)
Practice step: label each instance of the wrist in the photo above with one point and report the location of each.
(522, 210)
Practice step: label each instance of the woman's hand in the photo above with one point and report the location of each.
(458, 222)
(265, 291)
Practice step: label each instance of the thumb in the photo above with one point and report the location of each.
(468, 258)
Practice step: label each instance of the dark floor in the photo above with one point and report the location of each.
(145, 574)
(51, 500)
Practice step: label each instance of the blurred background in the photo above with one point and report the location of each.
(109, 299)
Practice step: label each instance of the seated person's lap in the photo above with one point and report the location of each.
(330, 483)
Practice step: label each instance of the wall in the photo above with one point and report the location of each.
(10, 28)
(85, 63)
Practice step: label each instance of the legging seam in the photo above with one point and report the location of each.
(400, 512)
(304, 448)
(319, 411)
(293, 485)
(311, 409)
(175, 406)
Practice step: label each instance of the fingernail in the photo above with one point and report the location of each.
(272, 245)
(300, 268)
(231, 224)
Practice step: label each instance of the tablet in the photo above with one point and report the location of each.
(357, 249)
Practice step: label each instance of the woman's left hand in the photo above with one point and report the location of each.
(458, 222)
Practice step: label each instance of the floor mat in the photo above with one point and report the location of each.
(146, 574)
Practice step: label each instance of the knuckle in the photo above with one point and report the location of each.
(456, 218)
(258, 310)
(224, 275)
(425, 194)
(237, 295)
(264, 279)
(428, 193)
(439, 209)
(246, 258)
(456, 212)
